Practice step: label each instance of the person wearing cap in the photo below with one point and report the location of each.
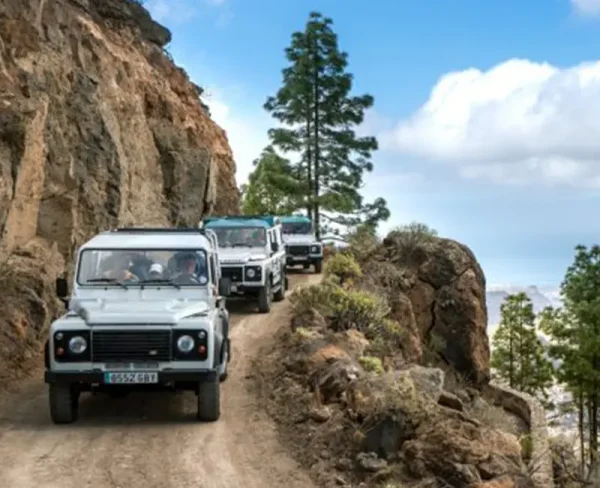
(155, 272)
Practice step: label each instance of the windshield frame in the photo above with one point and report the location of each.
(217, 230)
(141, 283)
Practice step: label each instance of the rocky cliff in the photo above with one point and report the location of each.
(98, 128)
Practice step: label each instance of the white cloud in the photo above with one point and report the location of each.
(247, 132)
(589, 8)
(519, 122)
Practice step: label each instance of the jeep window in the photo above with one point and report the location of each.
(139, 267)
(297, 228)
(241, 237)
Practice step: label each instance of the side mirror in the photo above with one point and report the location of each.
(224, 287)
(274, 247)
(62, 288)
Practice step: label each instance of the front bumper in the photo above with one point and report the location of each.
(96, 376)
(312, 259)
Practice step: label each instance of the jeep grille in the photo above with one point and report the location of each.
(298, 250)
(234, 273)
(138, 345)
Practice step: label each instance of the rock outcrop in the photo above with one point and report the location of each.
(436, 289)
(98, 129)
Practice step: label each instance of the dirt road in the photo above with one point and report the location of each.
(151, 440)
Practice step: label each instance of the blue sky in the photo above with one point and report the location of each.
(486, 111)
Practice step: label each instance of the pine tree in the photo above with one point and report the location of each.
(518, 355)
(273, 187)
(319, 117)
(576, 338)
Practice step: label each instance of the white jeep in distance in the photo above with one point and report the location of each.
(301, 244)
(252, 256)
(146, 313)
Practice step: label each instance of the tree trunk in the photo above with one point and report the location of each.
(309, 176)
(317, 166)
(580, 407)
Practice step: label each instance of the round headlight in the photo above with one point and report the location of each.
(251, 273)
(77, 345)
(185, 343)
(315, 249)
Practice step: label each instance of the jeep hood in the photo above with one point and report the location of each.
(299, 239)
(241, 255)
(107, 312)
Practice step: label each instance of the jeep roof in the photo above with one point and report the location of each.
(227, 223)
(149, 238)
(265, 221)
(295, 219)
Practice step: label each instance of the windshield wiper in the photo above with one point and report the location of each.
(108, 280)
(159, 281)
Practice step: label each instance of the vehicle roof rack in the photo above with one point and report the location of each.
(182, 230)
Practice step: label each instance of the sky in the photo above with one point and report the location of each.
(487, 112)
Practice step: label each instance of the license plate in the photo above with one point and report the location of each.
(126, 378)
(299, 258)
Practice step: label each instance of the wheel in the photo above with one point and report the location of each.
(279, 295)
(306, 265)
(209, 401)
(318, 267)
(64, 403)
(264, 298)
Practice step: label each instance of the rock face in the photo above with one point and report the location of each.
(98, 129)
(439, 297)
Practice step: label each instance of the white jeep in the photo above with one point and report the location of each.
(301, 244)
(147, 312)
(252, 256)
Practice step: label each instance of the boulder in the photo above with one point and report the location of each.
(447, 306)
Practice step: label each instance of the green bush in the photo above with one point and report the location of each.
(357, 309)
(343, 266)
(344, 309)
(372, 364)
(385, 338)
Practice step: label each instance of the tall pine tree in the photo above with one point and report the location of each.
(518, 355)
(319, 117)
(576, 339)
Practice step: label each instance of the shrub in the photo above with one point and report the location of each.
(357, 309)
(344, 309)
(408, 238)
(372, 364)
(363, 243)
(385, 338)
(343, 266)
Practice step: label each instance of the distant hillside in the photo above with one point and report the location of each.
(496, 295)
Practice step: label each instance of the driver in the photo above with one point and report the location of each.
(191, 269)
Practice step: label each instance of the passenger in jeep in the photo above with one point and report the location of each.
(191, 270)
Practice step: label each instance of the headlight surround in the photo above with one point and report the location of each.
(77, 345)
(185, 343)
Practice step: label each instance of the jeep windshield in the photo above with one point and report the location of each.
(138, 267)
(297, 228)
(241, 237)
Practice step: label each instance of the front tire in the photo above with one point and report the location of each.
(64, 403)
(318, 267)
(209, 401)
(279, 295)
(264, 297)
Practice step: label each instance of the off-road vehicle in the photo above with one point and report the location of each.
(301, 244)
(252, 256)
(147, 312)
